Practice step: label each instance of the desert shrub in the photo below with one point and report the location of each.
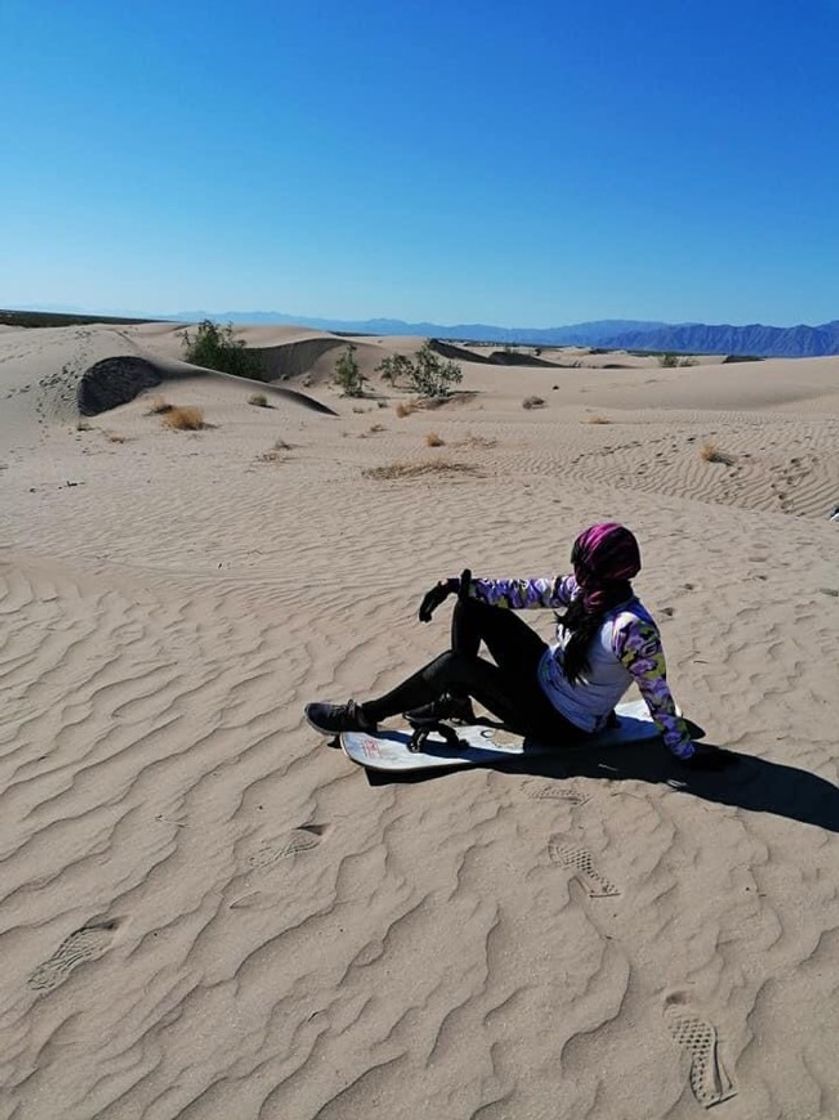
(83, 426)
(159, 405)
(347, 374)
(276, 453)
(214, 347)
(415, 470)
(484, 442)
(710, 452)
(258, 400)
(674, 361)
(533, 402)
(115, 437)
(427, 374)
(184, 418)
(376, 428)
(433, 440)
(433, 376)
(405, 408)
(395, 368)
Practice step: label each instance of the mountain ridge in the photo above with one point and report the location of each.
(801, 341)
(757, 339)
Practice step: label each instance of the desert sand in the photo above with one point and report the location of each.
(207, 913)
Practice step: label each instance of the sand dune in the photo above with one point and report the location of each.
(206, 913)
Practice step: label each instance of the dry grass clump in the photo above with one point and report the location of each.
(258, 400)
(276, 453)
(115, 437)
(184, 418)
(433, 440)
(272, 456)
(710, 452)
(405, 408)
(480, 442)
(159, 405)
(374, 428)
(598, 420)
(415, 470)
(533, 402)
(83, 426)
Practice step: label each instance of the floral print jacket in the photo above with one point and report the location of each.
(636, 643)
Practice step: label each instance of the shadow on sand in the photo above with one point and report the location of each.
(747, 782)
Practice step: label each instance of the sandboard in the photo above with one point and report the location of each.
(388, 750)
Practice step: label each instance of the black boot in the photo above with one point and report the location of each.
(332, 719)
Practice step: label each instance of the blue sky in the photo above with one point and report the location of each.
(475, 160)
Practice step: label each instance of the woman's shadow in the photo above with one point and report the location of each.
(746, 781)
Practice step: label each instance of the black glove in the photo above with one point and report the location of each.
(441, 591)
(433, 598)
(708, 758)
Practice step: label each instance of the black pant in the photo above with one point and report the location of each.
(509, 689)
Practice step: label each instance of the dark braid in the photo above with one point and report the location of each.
(584, 625)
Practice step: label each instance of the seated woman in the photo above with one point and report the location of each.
(561, 693)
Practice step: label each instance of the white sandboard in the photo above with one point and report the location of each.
(388, 750)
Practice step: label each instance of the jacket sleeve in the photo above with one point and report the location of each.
(524, 594)
(638, 646)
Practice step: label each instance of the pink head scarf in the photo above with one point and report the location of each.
(605, 558)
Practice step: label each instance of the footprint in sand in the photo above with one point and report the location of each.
(709, 1081)
(300, 839)
(85, 944)
(580, 861)
(555, 792)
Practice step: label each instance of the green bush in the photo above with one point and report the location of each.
(347, 374)
(214, 347)
(674, 361)
(428, 375)
(395, 368)
(432, 376)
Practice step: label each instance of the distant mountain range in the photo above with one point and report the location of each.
(614, 334)
(618, 334)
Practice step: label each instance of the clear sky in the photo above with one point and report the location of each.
(527, 164)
